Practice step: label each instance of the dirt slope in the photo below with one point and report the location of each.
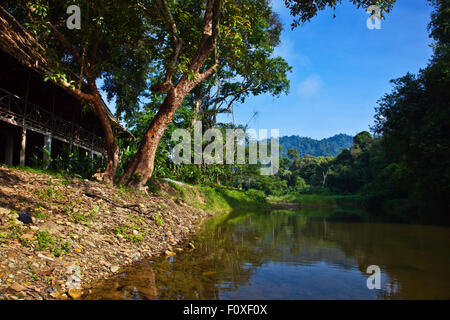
(81, 231)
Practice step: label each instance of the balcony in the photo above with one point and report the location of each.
(16, 111)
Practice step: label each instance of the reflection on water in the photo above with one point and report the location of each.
(286, 254)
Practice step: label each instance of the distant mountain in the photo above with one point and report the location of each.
(328, 147)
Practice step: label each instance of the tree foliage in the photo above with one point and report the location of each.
(304, 11)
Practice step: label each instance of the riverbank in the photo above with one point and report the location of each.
(316, 201)
(83, 231)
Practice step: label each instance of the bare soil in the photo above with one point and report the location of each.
(82, 231)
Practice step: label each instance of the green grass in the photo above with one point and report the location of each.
(125, 230)
(216, 198)
(56, 245)
(319, 200)
(49, 194)
(158, 219)
(221, 198)
(306, 200)
(64, 176)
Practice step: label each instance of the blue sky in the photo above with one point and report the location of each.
(340, 69)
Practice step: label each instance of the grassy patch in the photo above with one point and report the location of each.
(39, 212)
(82, 216)
(64, 176)
(44, 241)
(220, 198)
(133, 230)
(158, 219)
(3, 237)
(306, 200)
(49, 194)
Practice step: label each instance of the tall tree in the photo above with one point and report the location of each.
(112, 44)
(256, 73)
(200, 36)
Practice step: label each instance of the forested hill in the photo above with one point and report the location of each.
(328, 147)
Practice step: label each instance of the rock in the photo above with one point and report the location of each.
(91, 244)
(114, 268)
(169, 253)
(17, 287)
(135, 232)
(73, 282)
(73, 269)
(137, 257)
(25, 217)
(27, 236)
(74, 293)
(50, 227)
(40, 255)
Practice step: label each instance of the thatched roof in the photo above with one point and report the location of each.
(22, 46)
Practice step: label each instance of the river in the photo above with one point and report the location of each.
(294, 254)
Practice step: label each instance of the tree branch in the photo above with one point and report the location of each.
(167, 84)
(95, 45)
(60, 37)
(209, 36)
(205, 75)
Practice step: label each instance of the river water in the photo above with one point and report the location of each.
(294, 254)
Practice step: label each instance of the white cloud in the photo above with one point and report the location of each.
(311, 86)
(292, 55)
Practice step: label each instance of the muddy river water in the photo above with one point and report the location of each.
(294, 254)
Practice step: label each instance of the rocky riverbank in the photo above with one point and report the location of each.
(82, 231)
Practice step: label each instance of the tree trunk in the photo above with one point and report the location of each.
(94, 97)
(111, 147)
(325, 175)
(141, 167)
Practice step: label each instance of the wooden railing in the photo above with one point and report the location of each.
(15, 110)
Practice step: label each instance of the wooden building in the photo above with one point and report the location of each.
(39, 118)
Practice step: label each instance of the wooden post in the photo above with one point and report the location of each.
(47, 150)
(91, 157)
(23, 146)
(23, 143)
